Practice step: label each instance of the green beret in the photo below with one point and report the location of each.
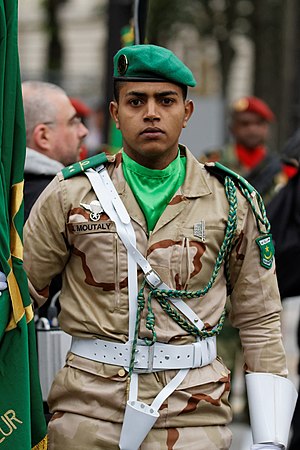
(151, 63)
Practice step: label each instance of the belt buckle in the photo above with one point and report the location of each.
(150, 358)
(149, 368)
(156, 281)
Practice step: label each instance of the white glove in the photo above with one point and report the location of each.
(266, 447)
(3, 284)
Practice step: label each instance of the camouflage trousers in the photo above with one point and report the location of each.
(75, 432)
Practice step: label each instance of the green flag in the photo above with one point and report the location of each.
(22, 423)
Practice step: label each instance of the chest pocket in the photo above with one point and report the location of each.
(188, 259)
(101, 253)
(203, 244)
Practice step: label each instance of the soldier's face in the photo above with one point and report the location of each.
(151, 117)
(250, 129)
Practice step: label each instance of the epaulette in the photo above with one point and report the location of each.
(81, 166)
(247, 190)
(221, 172)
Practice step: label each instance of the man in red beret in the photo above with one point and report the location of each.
(248, 155)
(82, 109)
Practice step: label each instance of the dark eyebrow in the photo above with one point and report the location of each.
(166, 93)
(136, 93)
(143, 94)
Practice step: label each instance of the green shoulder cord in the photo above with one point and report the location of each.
(248, 191)
(261, 216)
(162, 296)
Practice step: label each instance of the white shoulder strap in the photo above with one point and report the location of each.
(109, 200)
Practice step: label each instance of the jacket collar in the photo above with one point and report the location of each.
(39, 164)
(195, 183)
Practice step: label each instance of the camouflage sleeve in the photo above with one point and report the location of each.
(255, 300)
(45, 248)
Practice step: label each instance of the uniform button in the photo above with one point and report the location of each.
(121, 373)
(71, 357)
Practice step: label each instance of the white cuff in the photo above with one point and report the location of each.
(272, 401)
(266, 447)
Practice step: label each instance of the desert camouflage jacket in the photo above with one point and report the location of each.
(60, 236)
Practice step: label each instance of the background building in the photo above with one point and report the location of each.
(234, 48)
(80, 67)
(82, 33)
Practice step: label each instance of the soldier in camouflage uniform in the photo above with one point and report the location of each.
(196, 226)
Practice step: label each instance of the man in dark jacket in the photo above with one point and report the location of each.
(284, 215)
(54, 134)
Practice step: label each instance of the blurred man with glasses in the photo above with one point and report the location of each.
(54, 135)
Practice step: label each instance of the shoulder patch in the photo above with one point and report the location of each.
(266, 248)
(81, 166)
(221, 172)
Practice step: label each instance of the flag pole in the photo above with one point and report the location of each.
(136, 22)
(140, 8)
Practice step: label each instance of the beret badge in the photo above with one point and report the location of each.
(122, 64)
(241, 105)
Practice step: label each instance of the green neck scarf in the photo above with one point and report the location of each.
(153, 189)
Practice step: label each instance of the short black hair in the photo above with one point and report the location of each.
(118, 84)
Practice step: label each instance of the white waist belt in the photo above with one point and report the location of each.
(158, 356)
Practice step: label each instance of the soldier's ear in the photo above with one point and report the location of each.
(114, 112)
(189, 108)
